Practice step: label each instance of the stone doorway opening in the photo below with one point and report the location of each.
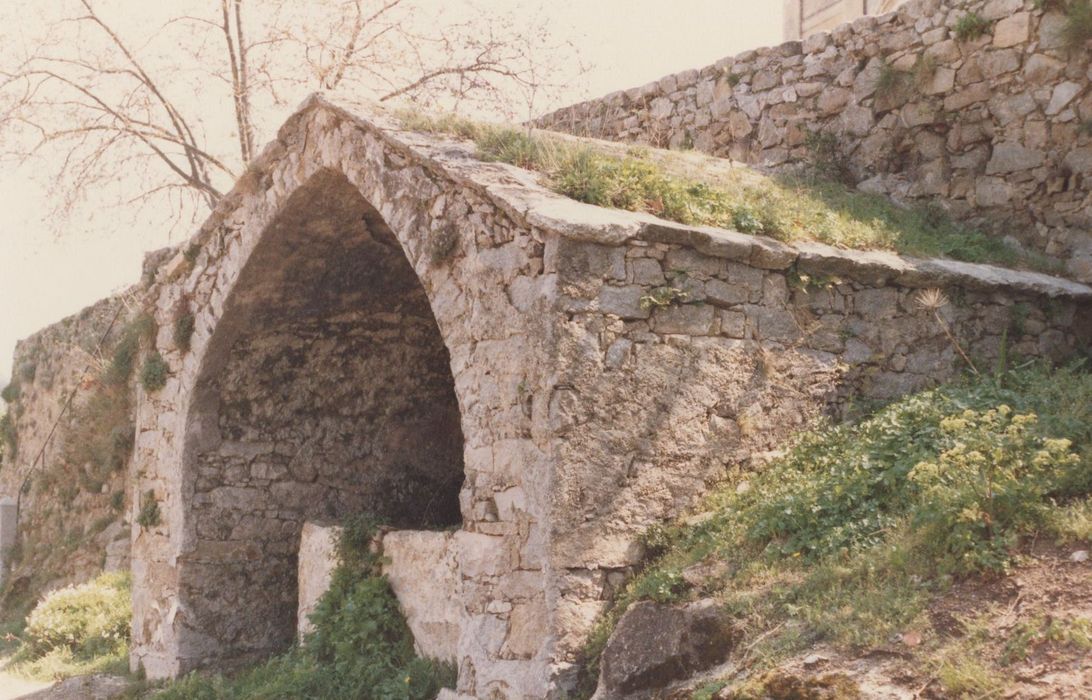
(327, 391)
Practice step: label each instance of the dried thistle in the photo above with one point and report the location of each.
(933, 300)
(930, 299)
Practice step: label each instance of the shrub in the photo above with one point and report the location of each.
(987, 486)
(971, 26)
(1077, 30)
(8, 436)
(149, 511)
(183, 330)
(89, 620)
(847, 487)
(11, 392)
(153, 375)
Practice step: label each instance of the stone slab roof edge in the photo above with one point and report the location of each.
(518, 193)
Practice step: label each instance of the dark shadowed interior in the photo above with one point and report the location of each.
(327, 392)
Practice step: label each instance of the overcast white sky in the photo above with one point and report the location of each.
(46, 275)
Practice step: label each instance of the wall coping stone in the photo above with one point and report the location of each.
(519, 193)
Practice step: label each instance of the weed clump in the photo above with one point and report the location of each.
(971, 26)
(149, 515)
(153, 375)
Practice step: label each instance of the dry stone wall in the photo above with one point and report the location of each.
(72, 515)
(657, 402)
(997, 127)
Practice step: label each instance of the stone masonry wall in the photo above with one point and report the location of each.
(998, 128)
(657, 403)
(481, 272)
(72, 516)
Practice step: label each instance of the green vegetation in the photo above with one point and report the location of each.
(101, 431)
(9, 443)
(154, 373)
(149, 515)
(1077, 30)
(803, 206)
(664, 296)
(971, 26)
(361, 646)
(11, 392)
(183, 330)
(77, 630)
(848, 536)
(890, 81)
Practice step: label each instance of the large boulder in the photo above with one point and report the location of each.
(655, 645)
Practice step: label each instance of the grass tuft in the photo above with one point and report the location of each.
(971, 26)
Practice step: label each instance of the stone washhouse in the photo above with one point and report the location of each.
(385, 323)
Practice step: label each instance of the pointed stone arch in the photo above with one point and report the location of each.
(345, 256)
(325, 391)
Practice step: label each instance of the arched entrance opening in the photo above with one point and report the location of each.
(326, 391)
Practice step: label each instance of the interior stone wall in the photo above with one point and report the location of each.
(331, 395)
(996, 127)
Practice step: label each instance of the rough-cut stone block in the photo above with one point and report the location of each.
(687, 319)
(317, 561)
(1012, 30)
(424, 576)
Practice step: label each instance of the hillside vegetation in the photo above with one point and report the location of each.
(853, 536)
(74, 630)
(808, 203)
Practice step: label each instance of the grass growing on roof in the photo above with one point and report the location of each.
(790, 207)
(846, 538)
